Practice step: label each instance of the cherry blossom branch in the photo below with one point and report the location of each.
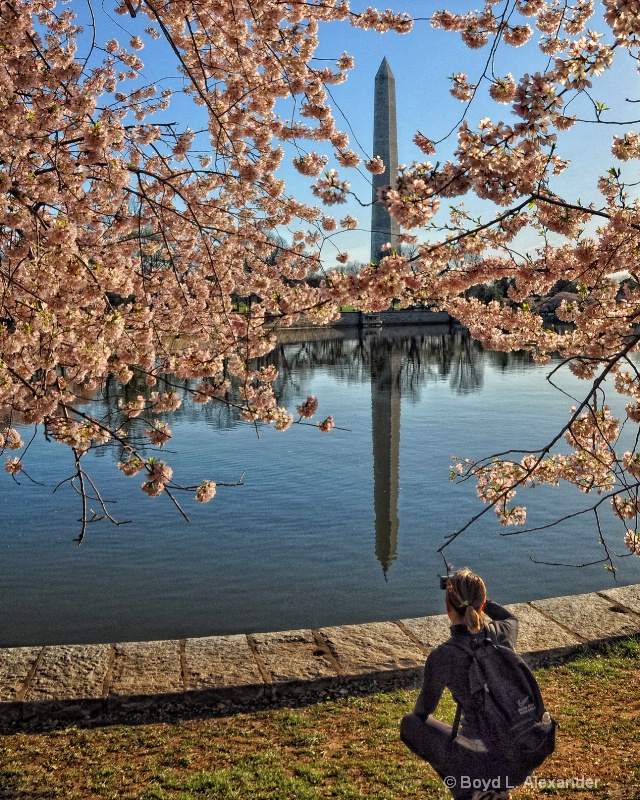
(541, 453)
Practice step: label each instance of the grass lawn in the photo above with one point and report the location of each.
(338, 748)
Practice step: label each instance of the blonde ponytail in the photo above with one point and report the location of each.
(467, 595)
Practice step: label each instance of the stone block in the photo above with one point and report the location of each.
(295, 659)
(16, 664)
(67, 672)
(540, 638)
(430, 631)
(589, 616)
(221, 668)
(627, 596)
(145, 674)
(377, 649)
(68, 683)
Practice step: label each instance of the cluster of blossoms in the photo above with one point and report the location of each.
(308, 408)
(207, 390)
(375, 166)
(281, 419)
(503, 90)
(132, 465)
(168, 401)
(13, 465)
(625, 507)
(517, 35)
(310, 164)
(460, 89)
(328, 223)
(349, 223)
(11, 439)
(330, 189)
(424, 143)
(133, 408)
(632, 541)
(158, 475)
(623, 19)
(206, 491)
(585, 59)
(626, 147)
(79, 435)
(495, 485)
(159, 434)
(348, 158)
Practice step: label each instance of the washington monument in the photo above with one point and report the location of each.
(385, 145)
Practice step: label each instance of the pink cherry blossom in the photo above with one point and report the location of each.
(205, 492)
(424, 143)
(375, 165)
(308, 408)
(13, 440)
(159, 434)
(13, 466)
(632, 541)
(131, 466)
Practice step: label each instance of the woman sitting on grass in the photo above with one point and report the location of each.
(471, 769)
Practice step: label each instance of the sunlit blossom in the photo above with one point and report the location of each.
(326, 425)
(206, 491)
(308, 408)
(13, 465)
(632, 541)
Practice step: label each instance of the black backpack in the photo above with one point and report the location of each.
(506, 699)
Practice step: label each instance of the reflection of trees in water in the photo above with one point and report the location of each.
(509, 362)
(467, 368)
(105, 403)
(428, 355)
(216, 413)
(424, 355)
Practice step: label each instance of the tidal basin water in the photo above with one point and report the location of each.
(327, 528)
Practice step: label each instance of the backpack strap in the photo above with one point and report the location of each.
(476, 678)
(469, 651)
(456, 721)
(491, 635)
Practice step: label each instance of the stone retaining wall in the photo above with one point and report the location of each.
(404, 316)
(217, 674)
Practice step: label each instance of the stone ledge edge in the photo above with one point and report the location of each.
(222, 674)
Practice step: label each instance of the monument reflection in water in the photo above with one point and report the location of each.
(396, 363)
(327, 529)
(399, 359)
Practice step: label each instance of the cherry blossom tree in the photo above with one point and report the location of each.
(124, 243)
(127, 238)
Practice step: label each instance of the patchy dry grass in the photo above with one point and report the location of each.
(345, 748)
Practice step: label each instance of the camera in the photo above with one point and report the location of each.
(444, 578)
